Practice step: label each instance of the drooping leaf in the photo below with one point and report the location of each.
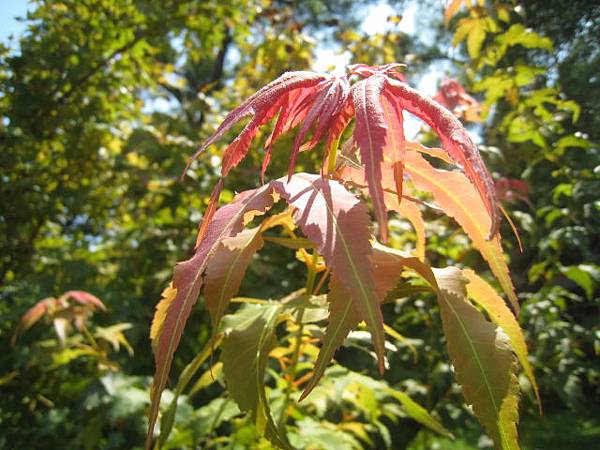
(84, 298)
(248, 339)
(338, 225)
(394, 141)
(35, 313)
(187, 280)
(335, 132)
(481, 352)
(290, 115)
(486, 297)
(262, 106)
(343, 318)
(454, 139)
(370, 133)
(457, 197)
(325, 109)
(226, 269)
(482, 359)
(168, 417)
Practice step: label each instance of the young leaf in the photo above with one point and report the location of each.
(457, 197)
(370, 133)
(262, 106)
(482, 358)
(35, 313)
(187, 281)
(325, 109)
(290, 115)
(455, 141)
(338, 225)
(486, 297)
(249, 337)
(84, 298)
(394, 142)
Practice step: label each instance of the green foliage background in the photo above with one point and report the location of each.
(103, 101)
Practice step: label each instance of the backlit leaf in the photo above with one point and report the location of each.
(248, 339)
(370, 134)
(482, 359)
(455, 140)
(338, 225)
(486, 297)
(226, 269)
(457, 197)
(187, 280)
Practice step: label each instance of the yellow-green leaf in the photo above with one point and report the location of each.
(485, 296)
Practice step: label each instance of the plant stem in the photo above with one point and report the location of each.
(310, 283)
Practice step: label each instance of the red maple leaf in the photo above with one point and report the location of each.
(325, 104)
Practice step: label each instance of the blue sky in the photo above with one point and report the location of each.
(9, 9)
(327, 58)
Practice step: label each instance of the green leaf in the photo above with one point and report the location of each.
(342, 319)
(482, 359)
(248, 339)
(585, 276)
(418, 413)
(168, 417)
(485, 296)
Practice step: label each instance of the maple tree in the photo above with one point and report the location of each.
(377, 161)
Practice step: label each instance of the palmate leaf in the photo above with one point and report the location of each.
(325, 104)
(171, 318)
(337, 223)
(333, 220)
